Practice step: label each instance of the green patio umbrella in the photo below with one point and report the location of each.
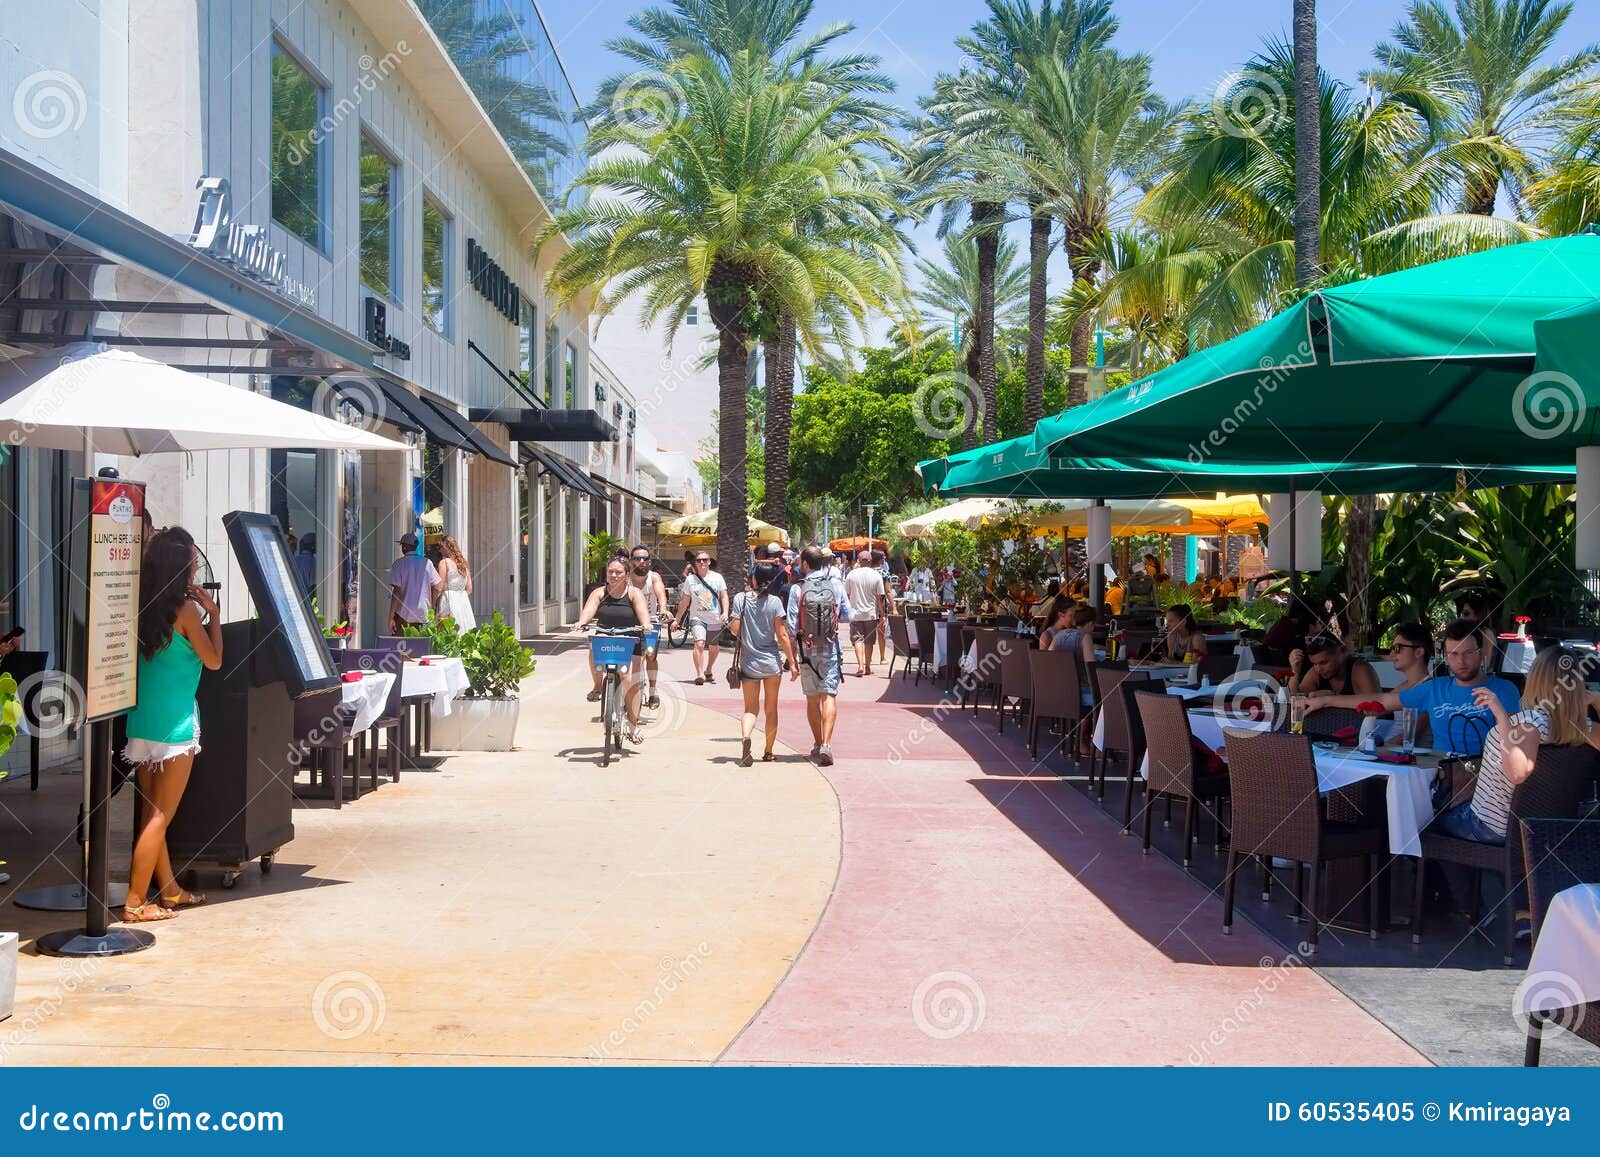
(1436, 365)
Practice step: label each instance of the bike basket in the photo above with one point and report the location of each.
(611, 650)
(651, 638)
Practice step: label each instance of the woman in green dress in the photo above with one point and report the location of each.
(180, 631)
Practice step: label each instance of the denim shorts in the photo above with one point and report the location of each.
(819, 674)
(1463, 823)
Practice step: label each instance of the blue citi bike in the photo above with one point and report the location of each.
(612, 652)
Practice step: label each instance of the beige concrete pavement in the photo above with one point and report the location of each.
(529, 907)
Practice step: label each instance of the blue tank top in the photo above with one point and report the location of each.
(166, 712)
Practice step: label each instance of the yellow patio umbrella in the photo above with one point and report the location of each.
(1224, 515)
(701, 530)
(1152, 517)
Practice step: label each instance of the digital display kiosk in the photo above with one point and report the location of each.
(304, 663)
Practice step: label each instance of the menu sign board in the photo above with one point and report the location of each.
(116, 549)
(304, 663)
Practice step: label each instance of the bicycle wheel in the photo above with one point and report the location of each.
(608, 719)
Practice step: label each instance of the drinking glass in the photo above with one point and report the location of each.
(1297, 714)
(1407, 718)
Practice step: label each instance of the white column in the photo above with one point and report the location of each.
(1308, 530)
(1278, 557)
(1588, 508)
(1099, 536)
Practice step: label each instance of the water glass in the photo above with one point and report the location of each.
(1407, 718)
(1297, 713)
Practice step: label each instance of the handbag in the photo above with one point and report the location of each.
(734, 675)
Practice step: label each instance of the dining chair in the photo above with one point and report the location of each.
(901, 647)
(390, 724)
(1111, 715)
(984, 678)
(1056, 682)
(1175, 771)
(1559, 854)
(1016, 679)
(926, 646)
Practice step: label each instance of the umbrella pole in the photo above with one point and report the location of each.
(1097, 570)
(1294, 569)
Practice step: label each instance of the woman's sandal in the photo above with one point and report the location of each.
(767, 756)
(635, 735)
(144, 915)
(593, 697)
(184, 899)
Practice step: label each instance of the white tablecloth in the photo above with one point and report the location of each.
(367, 696)
(941, 642)
(1100, 719)
(444, 679)
(1565, 968)
(1410, 799)
(1518, 657)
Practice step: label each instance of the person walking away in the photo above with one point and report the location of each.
(864, 591)
(416, 586)
(617, 605)
(649, 584)
(782, 578)
(881, 560)
(703, 601)
(757, 620)
(817, 605)
(455, 578)
(179, 632)
(305, 562)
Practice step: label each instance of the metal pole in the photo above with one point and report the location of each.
(1097, 574)
(1294, 569)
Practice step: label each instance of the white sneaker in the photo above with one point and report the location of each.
(824, 756)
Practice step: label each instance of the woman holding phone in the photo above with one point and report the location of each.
(180, 632)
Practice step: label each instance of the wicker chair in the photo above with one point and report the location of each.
(1277, 810)
(391, 721)
(1559, 854)
(1559, 782)
(1175, 771)
(1130, 687)
(956, 638)
(984, 678)
(1329, 721)
(1057, 683)
(322, 735)
(923, 625)
(901, 646)
(1112, 710)
(1016, 679)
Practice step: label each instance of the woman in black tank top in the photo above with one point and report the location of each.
(618, 605)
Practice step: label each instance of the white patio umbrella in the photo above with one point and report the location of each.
(113, 401)
(969, 512)
(1126, 517)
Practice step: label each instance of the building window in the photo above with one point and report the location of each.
(577, 581)
(693, 316)
(571, 376)
(527, 339)
(549, 537)
(435, 267)
(378, 234)
(552, 347)
(297, 146)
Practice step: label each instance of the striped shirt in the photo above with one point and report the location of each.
(1491, 798)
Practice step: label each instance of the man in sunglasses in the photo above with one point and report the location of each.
(703, 601)
(649, 583)
(1324, 667)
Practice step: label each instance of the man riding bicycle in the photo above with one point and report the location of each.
(649, 583)
(618, 605)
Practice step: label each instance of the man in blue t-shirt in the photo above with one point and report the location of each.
(1459, 724)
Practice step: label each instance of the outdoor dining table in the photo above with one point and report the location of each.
(437, 676)
(1569, 947)
(367, 696)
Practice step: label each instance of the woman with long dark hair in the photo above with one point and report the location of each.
(175, 642)
(456, 600)
(759, 621)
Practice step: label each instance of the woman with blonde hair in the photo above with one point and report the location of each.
(1555, 710)
(456, 576)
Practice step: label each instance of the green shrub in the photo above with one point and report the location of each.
(496, 661)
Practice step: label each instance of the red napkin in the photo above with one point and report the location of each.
(1212, 761)
(1395, 757)
(424, 662)
(1346, 734)
(351, 677)
(1371, 707)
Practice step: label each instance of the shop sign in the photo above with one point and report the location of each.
(245, 247)
(116, 548)
(493, 283)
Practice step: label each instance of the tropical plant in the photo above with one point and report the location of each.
(496, 662)
(443, 635)
(10, 712)
(950, 294)
(754, 199)
(599, 548)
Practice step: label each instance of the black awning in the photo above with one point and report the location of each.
(568, 475)
(466, 437)
(423, 416)
(359, 392)
(634, 494)
(548, 425)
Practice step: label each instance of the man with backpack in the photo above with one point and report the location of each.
(817, 606)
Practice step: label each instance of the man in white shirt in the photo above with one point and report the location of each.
(416, 586)
(866, 595)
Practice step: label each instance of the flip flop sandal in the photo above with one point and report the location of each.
(184, 899)
(142, 915)
(593, 697)
(767, 757)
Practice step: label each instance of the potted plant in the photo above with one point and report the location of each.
(484, 718)
(10, 717)
(598, 548)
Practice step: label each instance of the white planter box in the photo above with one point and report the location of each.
(8, 973)
(477, 725)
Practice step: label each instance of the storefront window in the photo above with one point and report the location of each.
(378, 235)
(577, 581)
(571, 376)
(8, 548)
(525, 541)
(294, 496)
(296, 148)
(527, 338)
(549, 537)
(552, 344)
(435, 267)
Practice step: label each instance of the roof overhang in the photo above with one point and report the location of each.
(548, 425)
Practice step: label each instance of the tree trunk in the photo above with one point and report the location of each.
(1084, 268)
(1360, 525)
(1307, 146)
(725, 298)
(1481, 196)
(984, 214)
(969, 431)
(1038, 292)
(780, 407)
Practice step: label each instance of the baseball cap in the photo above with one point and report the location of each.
(408, 540)
(774, 550)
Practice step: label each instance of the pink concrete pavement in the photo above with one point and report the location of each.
(987, 913)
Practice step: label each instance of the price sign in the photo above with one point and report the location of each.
(116, 549)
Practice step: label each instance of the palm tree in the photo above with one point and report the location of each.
(949, 292)
(715, 209)
(1484, 68)
(1307, 147)
(1567, 197)
(1008, 45)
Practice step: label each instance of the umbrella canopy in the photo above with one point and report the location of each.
(1018, 469)
(703, 526)
(1565, 346)
(968, 512)
(131, 405)
(858, 542)
(1429, 365)
(1130, 517)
